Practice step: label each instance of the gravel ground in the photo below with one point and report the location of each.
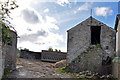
(36, 69)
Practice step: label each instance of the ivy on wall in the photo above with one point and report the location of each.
(5, 10)
(6, 38)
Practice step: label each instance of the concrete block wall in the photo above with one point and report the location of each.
(52, 56)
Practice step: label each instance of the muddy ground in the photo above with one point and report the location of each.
(36, 69)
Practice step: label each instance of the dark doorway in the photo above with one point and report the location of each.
(95, 34)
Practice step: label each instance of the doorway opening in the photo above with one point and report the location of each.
(95, 34)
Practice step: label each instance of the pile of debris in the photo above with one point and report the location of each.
(92, 75)
(60, 64)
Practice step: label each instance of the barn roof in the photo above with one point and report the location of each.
(91, 19)
(116, 23)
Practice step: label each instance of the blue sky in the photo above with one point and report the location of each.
(42, 25)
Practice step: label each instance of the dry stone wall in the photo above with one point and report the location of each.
(91, 60)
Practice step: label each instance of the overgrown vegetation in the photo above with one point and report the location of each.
(50, 49)
(6, 38)
(6, 71)
(5, 10)
(62, 70)
(85, 75)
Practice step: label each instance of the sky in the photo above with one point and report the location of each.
(43, 24)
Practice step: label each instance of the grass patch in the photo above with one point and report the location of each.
(98, 45)
(82, 77)
(62, 70)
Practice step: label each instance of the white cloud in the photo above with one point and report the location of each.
(36, 36)
(63, 2)
(84, 7)
(75, 1)
(103, 11)
(46, 10)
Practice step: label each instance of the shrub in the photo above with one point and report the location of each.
(59, 50)
(26, 49)
(56, 50)
(50, 49)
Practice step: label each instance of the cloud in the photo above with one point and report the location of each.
(75, 1)
(103, 11)
(36, 33)
(30, 16)
(63, 2)
(46, 10)
(33, 37)
(84, 7)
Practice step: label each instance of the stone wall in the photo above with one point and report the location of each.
(30, 55)
(11, 51)
(1, 64)
(52, 56)
(89, 60)
(8, 53)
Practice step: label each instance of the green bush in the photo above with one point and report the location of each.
(50, 49)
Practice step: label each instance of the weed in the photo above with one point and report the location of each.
(18, 55)
(98, 45)
(6, 71)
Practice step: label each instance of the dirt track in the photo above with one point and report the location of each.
(36, 69)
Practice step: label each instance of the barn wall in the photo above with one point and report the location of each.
(79, 40)
(108, 41)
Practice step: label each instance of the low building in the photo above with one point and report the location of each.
(30, 54)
